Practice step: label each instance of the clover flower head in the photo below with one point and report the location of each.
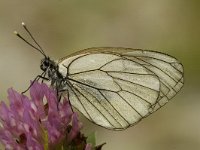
(40, 122)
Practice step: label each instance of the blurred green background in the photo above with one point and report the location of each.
(65, 26)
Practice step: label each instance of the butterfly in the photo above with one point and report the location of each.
(114, 87)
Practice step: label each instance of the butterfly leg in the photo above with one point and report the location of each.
(44, 76)
(36, 79)
(66, 92)
(69, 100)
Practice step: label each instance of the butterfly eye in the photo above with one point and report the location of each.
(46, 63)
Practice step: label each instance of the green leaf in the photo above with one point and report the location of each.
(92, 139)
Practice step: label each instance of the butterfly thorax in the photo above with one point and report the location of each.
(51, 72)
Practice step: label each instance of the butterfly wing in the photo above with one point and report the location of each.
(167, 68)
(117, 87)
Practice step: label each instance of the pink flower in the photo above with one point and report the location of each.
(30, 123)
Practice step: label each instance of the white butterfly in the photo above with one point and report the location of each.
(115, 87)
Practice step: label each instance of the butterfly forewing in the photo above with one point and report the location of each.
(117, 87)
(167, 68)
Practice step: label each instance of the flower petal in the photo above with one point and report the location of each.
(16, 102)
(88, 147)
(76, 126)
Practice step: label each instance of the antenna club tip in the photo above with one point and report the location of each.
(15, 32)
(23, 24)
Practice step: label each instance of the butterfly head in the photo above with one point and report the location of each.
(47, 63)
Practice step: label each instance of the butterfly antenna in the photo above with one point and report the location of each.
(16, 33)
(28, 31)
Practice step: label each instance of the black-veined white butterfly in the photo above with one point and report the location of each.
(114, 87)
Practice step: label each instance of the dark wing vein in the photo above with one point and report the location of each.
(127, 80)
(158, 68)
(113, 106)
(90, 103)
(121, 96)
(72, 62)
(131, 92)
(88, 85)
(110, 62)
(101, 106)
(104, 98)
(99, 90)
(162, 61)
(161, 78)
(71, 87)
(130, 105)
